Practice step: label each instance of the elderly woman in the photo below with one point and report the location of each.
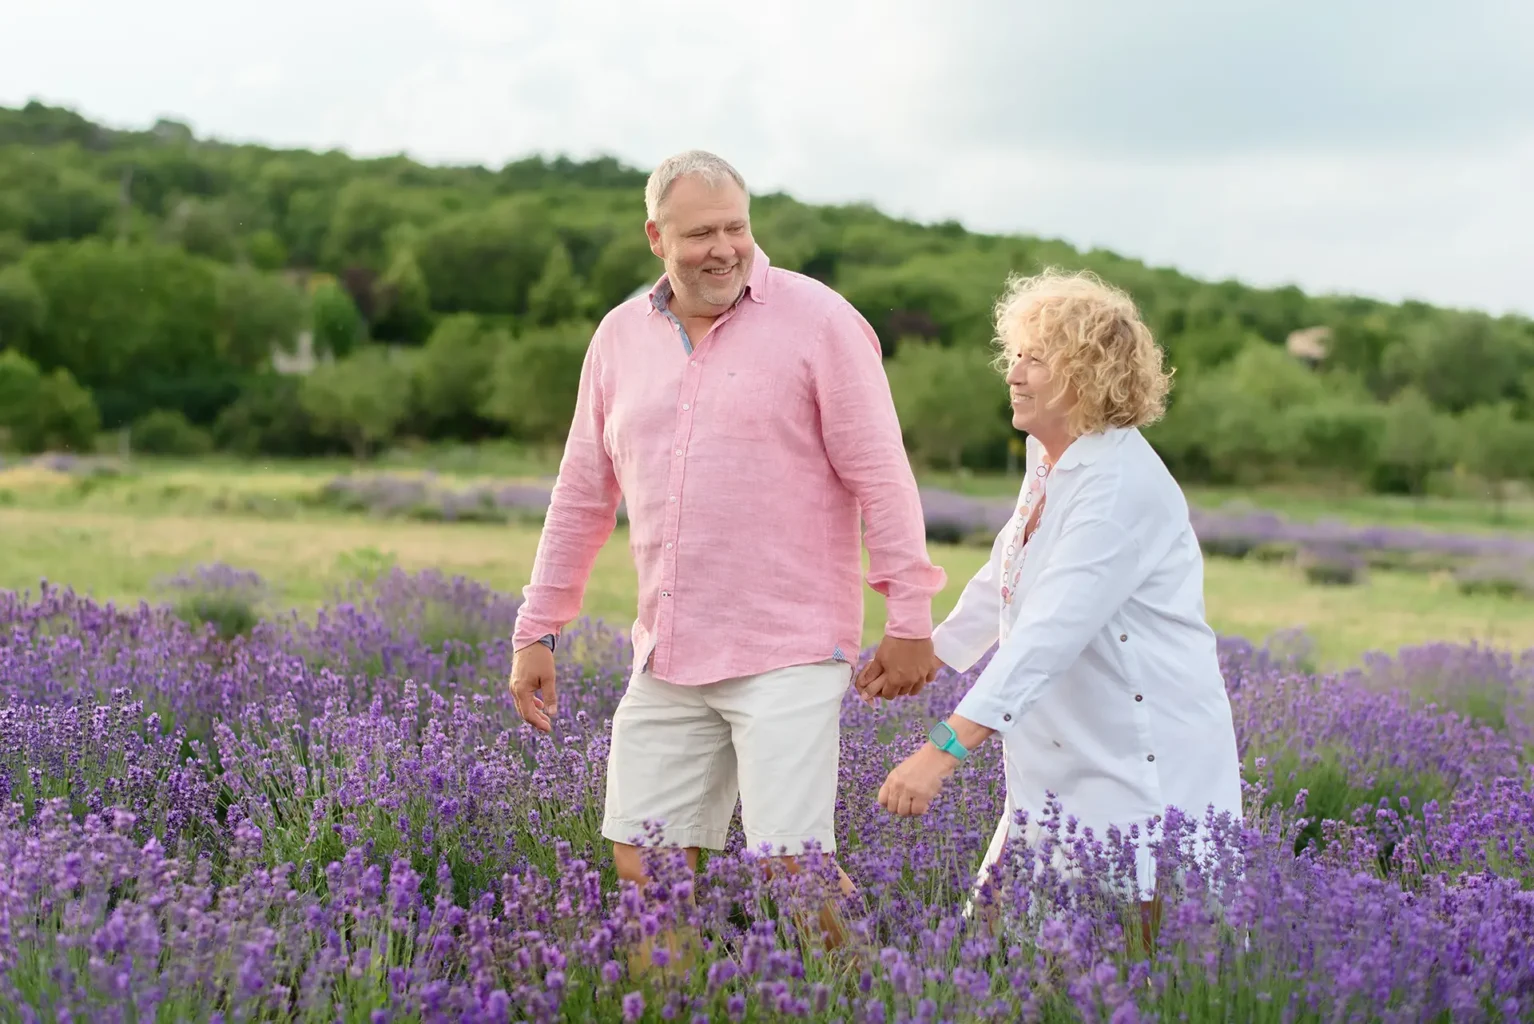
(1105, 687)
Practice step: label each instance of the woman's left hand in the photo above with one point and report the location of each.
(914, 783)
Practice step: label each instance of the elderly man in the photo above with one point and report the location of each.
(742, 412)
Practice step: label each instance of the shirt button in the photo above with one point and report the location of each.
(665, 593)
(1006, 718)
(670, 545)
(1150, 757)
(1123, 637)
(673, 497)
(1138, 696)
(686, 406)
(679, 451)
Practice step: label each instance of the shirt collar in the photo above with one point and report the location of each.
(756, 285)
(1083, 451)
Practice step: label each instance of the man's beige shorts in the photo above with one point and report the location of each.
(682, 755)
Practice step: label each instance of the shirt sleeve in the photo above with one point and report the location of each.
(583, 511)
(862, 436)
(975, 622)
(1090, 571)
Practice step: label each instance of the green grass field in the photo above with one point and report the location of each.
(113, 537)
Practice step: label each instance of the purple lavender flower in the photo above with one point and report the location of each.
(343, 817)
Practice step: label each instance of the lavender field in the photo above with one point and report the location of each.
(209, 818)
(1330, 550)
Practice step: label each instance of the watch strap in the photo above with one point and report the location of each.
(945, 739)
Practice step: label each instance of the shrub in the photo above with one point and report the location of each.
(1498, 578)
(42, 412)
(169, 432)
(219, 595)
(1331, 565)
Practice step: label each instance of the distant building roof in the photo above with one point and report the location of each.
(1309, 343)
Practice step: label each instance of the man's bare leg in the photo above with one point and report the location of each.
(831, 927)
(630, 866)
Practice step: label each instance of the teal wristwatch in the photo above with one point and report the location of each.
(945, 739)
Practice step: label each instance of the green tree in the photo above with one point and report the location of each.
(44, 411)
(169, 432)
(360, 399)
(1458, 360)
(1498, 448)
(337, 323)
(12, 247)
(364, 215)
(265, 250)
(269, 418)
(951, 401)
(486, 261)
(1339, 433)
(258, 312)
(20, 383)
(535, 381)
(1237, 423)
(131, 323)
(1210, 346)
(403, 302)
(1414, 443)
(67, 417)
(71, 206)
(454, 375)
(22, 307)
(624, 264)
(557, 294)
(203, 227)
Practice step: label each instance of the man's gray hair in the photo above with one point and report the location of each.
(700, 163)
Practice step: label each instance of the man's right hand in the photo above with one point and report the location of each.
(532, 685)
(898, 668)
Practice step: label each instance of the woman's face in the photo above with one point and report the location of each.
(1040, 403)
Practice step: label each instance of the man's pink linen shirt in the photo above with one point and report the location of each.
(748, 465)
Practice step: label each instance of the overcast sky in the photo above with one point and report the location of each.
(1382, 148)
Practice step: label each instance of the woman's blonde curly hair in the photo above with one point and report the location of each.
(1090, 334)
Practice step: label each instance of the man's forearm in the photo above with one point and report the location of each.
(573, 534)
(863, 440)
(581, 516)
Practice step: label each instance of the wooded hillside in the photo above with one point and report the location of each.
(158, 281)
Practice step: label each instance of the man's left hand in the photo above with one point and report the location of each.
(914, 783)
(898, 668)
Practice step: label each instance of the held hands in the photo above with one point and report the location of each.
(898, 668)
(532, 685)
